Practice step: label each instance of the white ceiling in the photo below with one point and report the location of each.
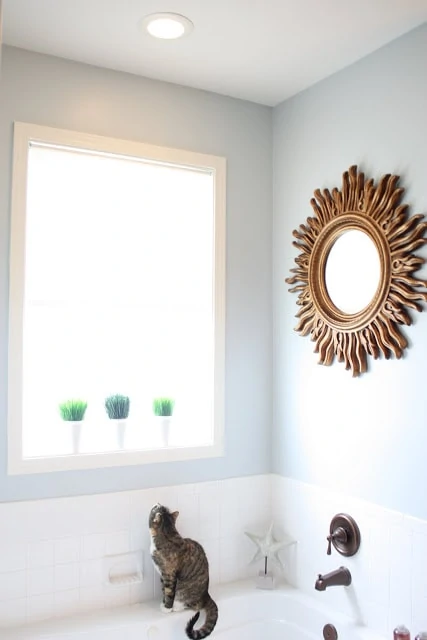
(258, 50)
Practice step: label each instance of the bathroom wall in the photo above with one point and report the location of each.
(389, 584)
(56, 555)
(1, 31)
(51, 91)
(366, 437)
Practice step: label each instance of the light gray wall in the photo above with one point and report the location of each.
(1, 31)
(367, 436)
(54, 92)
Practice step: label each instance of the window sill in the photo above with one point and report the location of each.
(45, 464)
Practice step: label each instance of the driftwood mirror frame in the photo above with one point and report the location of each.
(374, 330)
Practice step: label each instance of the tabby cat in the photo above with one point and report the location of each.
(184, 571)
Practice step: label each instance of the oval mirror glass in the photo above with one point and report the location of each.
(352, 272)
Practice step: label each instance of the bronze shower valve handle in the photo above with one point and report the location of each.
(339, 535)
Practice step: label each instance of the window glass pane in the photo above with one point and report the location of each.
(118, 297)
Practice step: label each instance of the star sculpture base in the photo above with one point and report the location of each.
(265, 580)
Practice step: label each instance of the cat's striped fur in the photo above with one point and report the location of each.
(184, 571)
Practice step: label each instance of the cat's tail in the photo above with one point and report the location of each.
(211, 618)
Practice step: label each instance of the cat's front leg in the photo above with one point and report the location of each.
(168, 587)
(162, 584)
(163, 608)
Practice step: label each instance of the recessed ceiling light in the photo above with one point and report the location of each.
(167, 26)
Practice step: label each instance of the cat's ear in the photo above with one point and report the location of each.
(174, 515)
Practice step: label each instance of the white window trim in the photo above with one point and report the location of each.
(24, 134)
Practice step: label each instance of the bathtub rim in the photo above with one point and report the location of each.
(146, 614)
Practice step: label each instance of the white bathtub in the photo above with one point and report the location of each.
(245, 613)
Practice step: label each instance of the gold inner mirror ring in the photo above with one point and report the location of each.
(317, 269)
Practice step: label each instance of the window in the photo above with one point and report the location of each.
(117, 286)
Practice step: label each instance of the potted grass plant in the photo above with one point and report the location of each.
(117, 408)
(73, 412)
(163, 410)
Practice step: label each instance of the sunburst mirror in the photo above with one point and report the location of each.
(375, 212)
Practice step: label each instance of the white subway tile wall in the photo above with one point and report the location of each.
(389, 572)
(55, 554)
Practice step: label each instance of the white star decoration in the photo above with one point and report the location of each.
(268, 546)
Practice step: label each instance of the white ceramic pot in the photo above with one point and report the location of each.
(121, 425)
(76, 434)
(164, 425)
